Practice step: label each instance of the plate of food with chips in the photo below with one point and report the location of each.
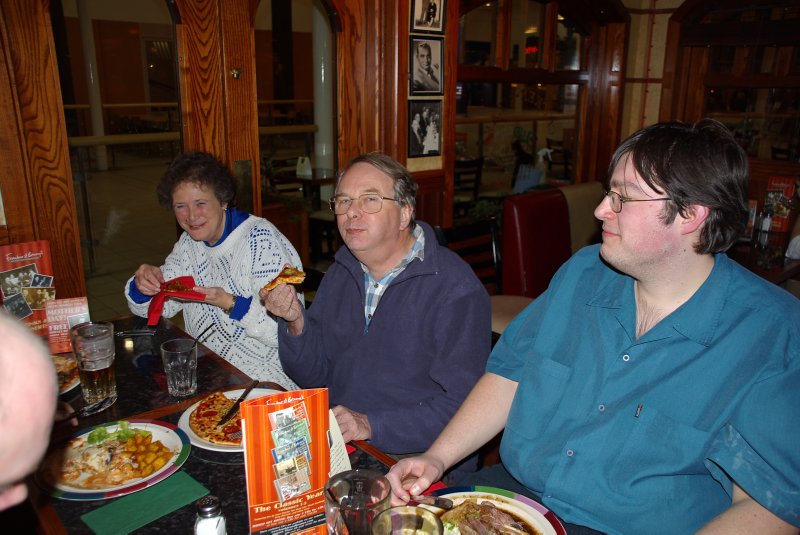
(114, 459)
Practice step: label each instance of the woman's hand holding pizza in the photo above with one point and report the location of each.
(148, 279)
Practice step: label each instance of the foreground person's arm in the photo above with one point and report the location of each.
(744, 516)
(482, 415)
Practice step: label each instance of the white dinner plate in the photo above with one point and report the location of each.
(183, 423)
(170, 436)
(534, 514)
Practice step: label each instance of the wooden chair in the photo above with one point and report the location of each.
(478, 244)
(466, 184)
(324, 232)
(560, 155)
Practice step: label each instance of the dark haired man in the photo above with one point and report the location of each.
(653, 387)
(400, 328)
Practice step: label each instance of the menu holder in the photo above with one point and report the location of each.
(62, 315)
(26, 282)
(780, 190)
(292, 445)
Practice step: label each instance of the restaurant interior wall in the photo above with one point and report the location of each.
(528, 77)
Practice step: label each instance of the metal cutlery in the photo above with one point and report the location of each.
(233, 410)
(435, 501)
(135, 332)
(89, 410)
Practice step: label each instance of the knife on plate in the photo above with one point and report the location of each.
(233, 410)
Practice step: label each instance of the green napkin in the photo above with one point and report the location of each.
(140, 508)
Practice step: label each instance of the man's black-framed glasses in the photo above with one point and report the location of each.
(618, 200)
(369, 203)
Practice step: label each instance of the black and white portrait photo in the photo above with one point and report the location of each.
(426, 66)
(427, 16)
(424, 124)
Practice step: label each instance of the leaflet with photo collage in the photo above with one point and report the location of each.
(291, 446)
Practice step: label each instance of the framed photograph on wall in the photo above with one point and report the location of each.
(424, 128)
(425, 56)
(427, 16)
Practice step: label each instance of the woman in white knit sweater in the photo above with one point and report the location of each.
(231, 255)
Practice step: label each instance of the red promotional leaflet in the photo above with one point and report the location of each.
(62, 315)
(779, 187)
(287, 461)
(26, 282)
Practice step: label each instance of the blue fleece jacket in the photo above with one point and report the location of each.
(425, 348)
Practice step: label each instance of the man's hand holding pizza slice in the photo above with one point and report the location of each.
(280, 298)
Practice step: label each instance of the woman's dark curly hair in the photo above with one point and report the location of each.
(201, 168)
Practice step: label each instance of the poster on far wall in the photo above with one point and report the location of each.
(427, 16)
(424, 128)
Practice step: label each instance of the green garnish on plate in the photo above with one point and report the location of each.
(123, 433)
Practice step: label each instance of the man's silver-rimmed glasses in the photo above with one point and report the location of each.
(618, 200)
(369, 203)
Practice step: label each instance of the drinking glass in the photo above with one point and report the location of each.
(353, 499)
(407, 519)
(93, 345)
(180, 364)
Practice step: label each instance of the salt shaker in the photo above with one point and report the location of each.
(209, 517)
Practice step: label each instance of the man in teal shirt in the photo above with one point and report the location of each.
(653, 387)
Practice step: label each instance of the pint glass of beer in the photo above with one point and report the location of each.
(93, 345)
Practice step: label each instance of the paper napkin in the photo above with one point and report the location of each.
(139, 509)
(178, 288)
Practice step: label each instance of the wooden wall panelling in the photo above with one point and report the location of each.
(431, 197)
(392, 65)
(44, 155)
(601, 126)
(200, 65)
(239, 95)
(670, 80)
(443, 204)
(355, 78)
(13, 172)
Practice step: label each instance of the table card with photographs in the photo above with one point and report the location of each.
(427, 16)
(289, 441)
(426, 56)
(426, 79)
(424, 129)
(26, 282)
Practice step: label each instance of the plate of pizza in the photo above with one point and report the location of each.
(199, 421)
(288, 275)
(67, 371)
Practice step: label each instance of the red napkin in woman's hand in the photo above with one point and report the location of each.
(178, 288)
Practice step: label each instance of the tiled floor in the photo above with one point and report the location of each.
(128, 226)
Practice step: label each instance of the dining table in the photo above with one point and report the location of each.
(310, 184)
(142, 395)
(765, 255)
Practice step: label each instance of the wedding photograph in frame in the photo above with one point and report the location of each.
(424, 128)
(427, 16)
(426, 59)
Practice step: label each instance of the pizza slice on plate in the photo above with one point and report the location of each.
(289, 275)
(203, 421)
